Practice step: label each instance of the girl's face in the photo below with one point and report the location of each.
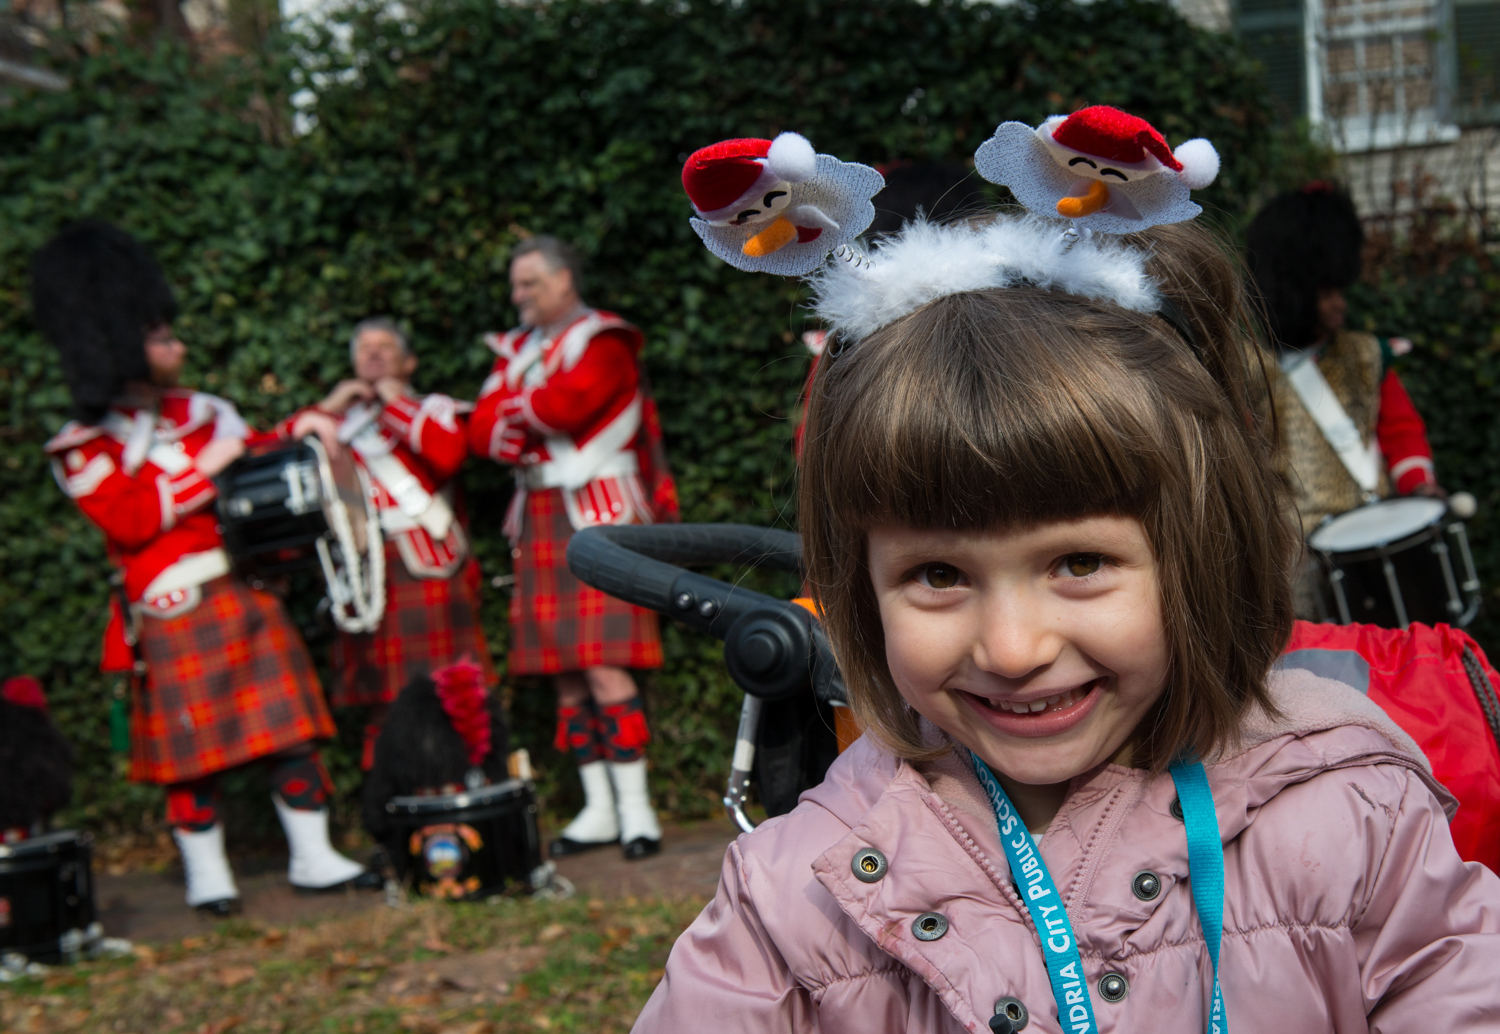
(1040, 650)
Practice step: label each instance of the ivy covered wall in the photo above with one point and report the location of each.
(432, 145)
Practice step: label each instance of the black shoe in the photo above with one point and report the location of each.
(562, 847)
(641, 847)
(221, 909)
(367, 880)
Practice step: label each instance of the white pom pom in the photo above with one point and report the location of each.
(792, 158)
(1200, 163)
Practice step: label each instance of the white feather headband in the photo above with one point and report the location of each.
(1084, 178)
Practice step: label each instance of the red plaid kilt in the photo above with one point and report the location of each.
(429, 622)
(558, 623)
(226, 683)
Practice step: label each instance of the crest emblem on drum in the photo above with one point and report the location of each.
(446, 851)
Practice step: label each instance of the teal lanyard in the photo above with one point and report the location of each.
(1075, 1010)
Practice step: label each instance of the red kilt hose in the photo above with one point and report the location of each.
(559, 624)
(428, 623)
(227, 682)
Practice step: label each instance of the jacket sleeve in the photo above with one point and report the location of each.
(573, 400)
(490, 424)
(1403, 437)
(725, 974)
(433, 429)
(1430, 932)
(131, 510)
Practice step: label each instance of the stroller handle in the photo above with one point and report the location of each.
(772, 648)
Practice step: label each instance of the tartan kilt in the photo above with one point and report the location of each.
(226, 683)
(428, 623)
(559, 624)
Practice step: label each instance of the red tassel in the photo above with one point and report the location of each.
(24, 691)
(465, 698)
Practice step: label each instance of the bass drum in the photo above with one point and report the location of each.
(296, 507)
(47, 896)
(1395, 562)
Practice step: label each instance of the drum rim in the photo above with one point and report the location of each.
(415, 804)
(39, 844)
(1433, 526)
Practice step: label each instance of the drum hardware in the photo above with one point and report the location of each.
(1391, 563)
(297, 507)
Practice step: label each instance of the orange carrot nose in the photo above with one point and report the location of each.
(772, 239)
(1078, 207)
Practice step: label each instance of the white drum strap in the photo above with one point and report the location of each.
(1362, 463)
(432, 512)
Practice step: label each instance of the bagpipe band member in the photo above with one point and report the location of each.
(567, 406)
(227, 680)
(1304, 251)
(410, 445)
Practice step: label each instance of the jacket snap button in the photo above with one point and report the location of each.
(1176, 808)
(1146, 885)
(868, 865)
(1113, 987)
(1010, 1016)
(929, 926)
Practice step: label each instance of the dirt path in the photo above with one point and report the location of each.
(147, 907)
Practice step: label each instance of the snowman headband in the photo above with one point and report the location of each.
(775, 206)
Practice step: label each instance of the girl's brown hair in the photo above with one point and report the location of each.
(999, 409)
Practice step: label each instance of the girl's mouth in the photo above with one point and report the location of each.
(1047, 716)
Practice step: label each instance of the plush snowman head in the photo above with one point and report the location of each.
(1114, 147)
(747, 181)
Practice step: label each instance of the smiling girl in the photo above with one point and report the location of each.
(1052, 555)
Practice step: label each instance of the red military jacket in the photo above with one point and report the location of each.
(133, 475)
(1402, 436)
(571, 412)
(410, 449)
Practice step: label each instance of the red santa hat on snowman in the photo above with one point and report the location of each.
(1129, 144)
(733, 176)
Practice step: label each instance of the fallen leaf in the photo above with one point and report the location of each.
(415, 1001)
(220, 1026)
(145, 954)
(272, 937)
(420, 1023)
(234, 976)
(477, 1027)
(433, 944)
(194, 943)
(552, 932)
(542, 1020)
(345, 958)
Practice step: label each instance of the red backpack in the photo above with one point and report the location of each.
(1436, 683)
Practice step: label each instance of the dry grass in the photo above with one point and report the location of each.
(428, 969)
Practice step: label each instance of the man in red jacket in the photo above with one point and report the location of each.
(566, 405)
(409, 446)
(1305, 251)
(227, 679)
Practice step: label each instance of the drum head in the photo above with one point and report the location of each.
(1378, 524)
(342, 487)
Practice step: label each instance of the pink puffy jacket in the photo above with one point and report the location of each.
(1346, 907)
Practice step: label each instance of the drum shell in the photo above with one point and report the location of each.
(1418, 564)
(46, 890)
(467, 845)
(267, 529)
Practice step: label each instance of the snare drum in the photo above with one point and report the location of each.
(47, 896)
(467, 845)
(1394, 562)
(296, 507)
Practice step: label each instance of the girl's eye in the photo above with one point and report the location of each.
(1081, 565)
(940, 576)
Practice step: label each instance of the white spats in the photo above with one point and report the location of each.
(596, 823)
(637, 817)
(314, 863)
(205, 866)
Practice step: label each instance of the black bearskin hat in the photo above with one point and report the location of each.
(1301, 242)
(36, 762)
(942, 192)
(95, 291)
(430, 740)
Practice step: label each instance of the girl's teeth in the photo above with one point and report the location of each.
(1060, 701)
(1038, 705)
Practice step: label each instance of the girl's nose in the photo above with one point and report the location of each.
(1016, 637)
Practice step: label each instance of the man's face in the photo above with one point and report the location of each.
(1332, 310)
(542, 295)
(164, 355)
(378, 353)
